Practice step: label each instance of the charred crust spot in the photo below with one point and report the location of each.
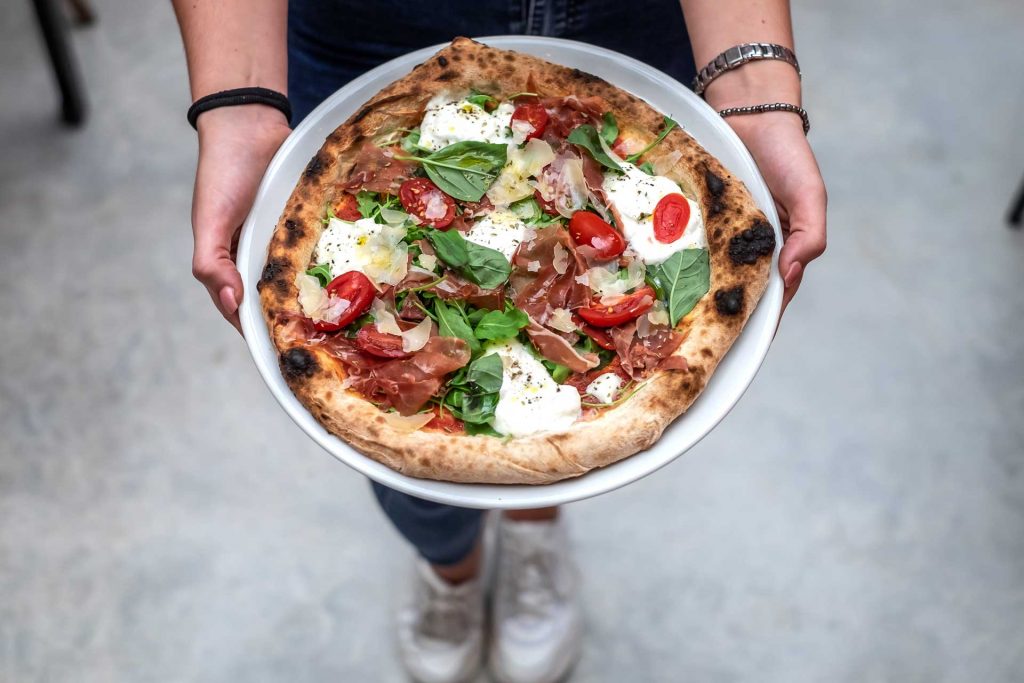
(329, 395)
(509, 57)
(754, 242)
(686, 385)
(716, 188)
(717, 233)
(297, 363)
(363, 113)
(729, 301)
(456, 57)
(586, 78)
(442, 60)
(316, 165)
(447, 76)
(271, 275)
(424, 461)
(706, 352)
(294, 233)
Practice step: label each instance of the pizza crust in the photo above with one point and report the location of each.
(737, 283)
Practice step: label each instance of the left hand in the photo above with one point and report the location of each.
(776, 141)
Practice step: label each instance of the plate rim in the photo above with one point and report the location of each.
(493, 496)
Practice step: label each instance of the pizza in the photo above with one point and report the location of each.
(504, 270)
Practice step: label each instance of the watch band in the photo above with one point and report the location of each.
(774, 106)
(737, 56)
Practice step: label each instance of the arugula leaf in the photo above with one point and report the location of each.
(451, 322)
(330, 215)
(485, 373)
(669, 125)
(647, 167)
(481, 99)
(473, 428)
(530, 212)
(411, 142)
(587, 137)
(610, 129)
(479, 264)
(368, 204)
(464, 170)
(473, 394)
(684, 277)
(558, 372)
(501, 325)
(322, 272)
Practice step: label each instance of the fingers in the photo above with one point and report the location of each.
(213, 266)
(806, 240)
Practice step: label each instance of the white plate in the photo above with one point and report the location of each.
(665, 94)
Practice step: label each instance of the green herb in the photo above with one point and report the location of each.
(451, 322)
(501, 325)
(587, 137)
(684, 278)
(610, 129)
(330, 215)
(558, 372)
(647, 167)
(368, 204)
(481, 99)
(669, 125)
(473, 428)
(530, 212)
(322, 272)
(473, 394)
(411, 142)
(464, 170)
(481, 265)
(522, 94)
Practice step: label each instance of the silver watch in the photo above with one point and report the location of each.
(741, 54)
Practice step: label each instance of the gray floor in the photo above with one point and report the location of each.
(858, 517)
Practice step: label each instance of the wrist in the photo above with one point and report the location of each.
(253, 117)
(756, 82)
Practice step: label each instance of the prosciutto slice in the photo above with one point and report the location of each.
(641, 356)
(376, 170)
(543, 289)
(557, 350)
(405, 384)
(567, 113)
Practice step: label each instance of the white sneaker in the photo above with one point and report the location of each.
(441, 628)
(536, 628)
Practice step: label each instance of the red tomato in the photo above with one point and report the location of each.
(588, 228)
(346, 208)
(545, 206)
(625, 309)
(380, 344)
(534, 114)
(600, 337)
(420, 197)
(355, 288)
(671, 215)
(444, 421)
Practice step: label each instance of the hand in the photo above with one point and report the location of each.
(235, 148)
(776, 141)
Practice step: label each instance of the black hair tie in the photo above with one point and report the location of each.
(237, 96)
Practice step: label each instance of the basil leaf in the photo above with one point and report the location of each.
(588, 138)
(647, 167)
(669, 125)
(322, 272)
(530, 212)
(481, 265)
(501, 325)
(473, 428)
(485, 373)
(685, 277)
(558, 372)
(451, 322)
(610, 129)
(411, 142)
(466, 169)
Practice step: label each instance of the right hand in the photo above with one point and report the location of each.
(236, 145)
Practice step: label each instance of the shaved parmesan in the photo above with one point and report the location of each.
(334, 309)
(407, 423)
(513, 182)
(436, 207)
(428, 261)
(561, 259)
(416, 338)
(533, 266)
(561, 320)
(312, 297)
(666, 163)
(384, 319)
(393, 216)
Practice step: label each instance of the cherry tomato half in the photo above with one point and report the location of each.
(346, 208)
(355, 288)
(588, 228)
(380, 344)
(425, 200)
(671, 215)
(625, 309)
(534, 114)
(444, 421)
(600, 337)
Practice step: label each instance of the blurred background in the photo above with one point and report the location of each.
(858, 517)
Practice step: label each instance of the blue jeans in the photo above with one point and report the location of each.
(330, 42)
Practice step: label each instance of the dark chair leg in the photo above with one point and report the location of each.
(55, 33)
(1017, 208)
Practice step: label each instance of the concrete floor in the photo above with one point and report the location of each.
(858, 517)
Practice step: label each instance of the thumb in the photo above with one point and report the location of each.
(806, 239)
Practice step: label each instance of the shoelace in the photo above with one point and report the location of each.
(444, 616)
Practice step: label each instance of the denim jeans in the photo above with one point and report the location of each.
(330, 42)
